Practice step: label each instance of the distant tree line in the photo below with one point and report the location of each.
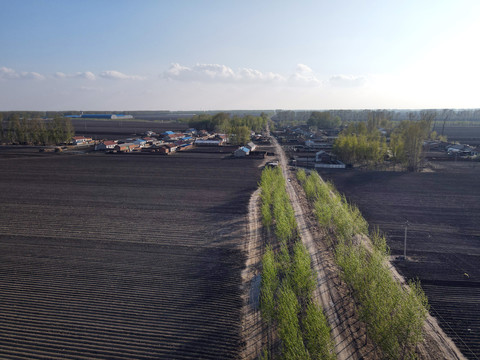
(19, 129)
(324, 120)
(470, 116)
(238, 128)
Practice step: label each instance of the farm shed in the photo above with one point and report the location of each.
(461, 149)
(80, 140)
(127, 147)
(251, 146)
(322, 156)
(167, 149)
(318, 144)
(106, 145)
(241, 152)
(185, 147)
(216, 142)
(106, 116)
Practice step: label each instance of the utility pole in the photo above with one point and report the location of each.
(405, 242)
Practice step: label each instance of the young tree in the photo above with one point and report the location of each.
(12, 127)
(240, 135)
(1, 128)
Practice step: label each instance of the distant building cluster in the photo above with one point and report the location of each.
(303, 141)
(167, 142)
(101, 116)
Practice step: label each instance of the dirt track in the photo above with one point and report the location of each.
(252, 326)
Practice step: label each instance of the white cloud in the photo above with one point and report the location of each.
(7, 73)
(215, 73)
(347, 81)
(304, 75)
(78, 75)
(117, 75)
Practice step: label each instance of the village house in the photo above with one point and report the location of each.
(167, 149)
(173, 136)
(105, 145)
(209, 142)
(316, 144)
(241, 152)
(126, 147)
(326, 160)
(140, 142)
(461, 149)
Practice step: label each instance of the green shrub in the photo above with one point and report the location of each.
(317, 335)
(269, 285)
(289, 331)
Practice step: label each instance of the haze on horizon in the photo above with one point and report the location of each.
(201, 55)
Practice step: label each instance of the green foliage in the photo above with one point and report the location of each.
(406, 140)
(317, 336)
(269, 285)
(302, 278)
(289, 331)
(379, 242)
(223, 123)
(323, 120)
(323, 212)
(288, 305)
(361, 144)
(267, 218)
(394, 315)
(301, 176)
(284, 262)
(21, 130)
(239, 135)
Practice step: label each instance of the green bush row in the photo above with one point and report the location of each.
(394, 315)
(288, 280)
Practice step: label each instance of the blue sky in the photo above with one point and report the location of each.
(203, 55)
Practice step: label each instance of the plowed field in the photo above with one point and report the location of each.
(122, 257)
(120, 129)
(443, 238)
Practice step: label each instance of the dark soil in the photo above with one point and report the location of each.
(122, 257)
(121, 129)
(463, 134)
(443, 238)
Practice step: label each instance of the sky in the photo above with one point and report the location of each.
(229, 54)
